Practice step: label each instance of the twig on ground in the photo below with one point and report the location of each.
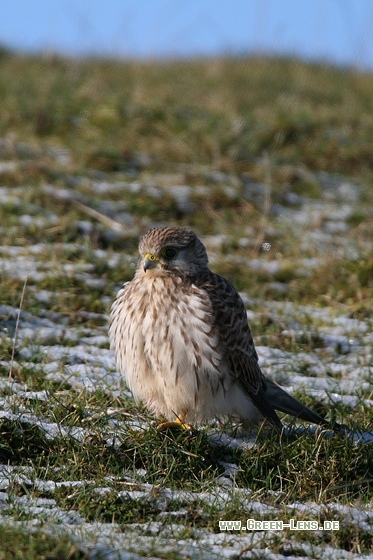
(108, 222)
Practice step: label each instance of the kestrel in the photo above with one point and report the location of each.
(182, 341)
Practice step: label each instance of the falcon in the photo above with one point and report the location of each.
(181, 339)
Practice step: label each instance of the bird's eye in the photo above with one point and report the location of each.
(169, 252)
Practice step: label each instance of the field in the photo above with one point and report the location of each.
(270, 161)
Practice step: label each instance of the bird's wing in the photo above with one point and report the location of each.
(239, 353)
(236, 342)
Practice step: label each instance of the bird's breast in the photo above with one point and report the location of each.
(167, 345)
(178, 326)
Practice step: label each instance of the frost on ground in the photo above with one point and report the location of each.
(63, 347)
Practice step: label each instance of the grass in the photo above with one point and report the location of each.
(113, 137)
(16, 544)
(281, 472)
(305, 467)
(108, 112)
(278, 471)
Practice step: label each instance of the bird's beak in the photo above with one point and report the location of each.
(150, 261)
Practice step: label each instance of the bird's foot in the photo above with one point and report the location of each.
(175, 424)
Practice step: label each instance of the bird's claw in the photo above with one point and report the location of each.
(178, 424)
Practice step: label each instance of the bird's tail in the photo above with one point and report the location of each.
(282, 401)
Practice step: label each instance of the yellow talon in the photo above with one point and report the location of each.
(178, 424)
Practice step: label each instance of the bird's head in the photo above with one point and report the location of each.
(172, 250)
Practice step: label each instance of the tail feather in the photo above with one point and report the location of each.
(282, 401)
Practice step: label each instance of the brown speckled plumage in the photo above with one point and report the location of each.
(182, 341)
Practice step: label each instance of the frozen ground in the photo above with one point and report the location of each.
(75, 355)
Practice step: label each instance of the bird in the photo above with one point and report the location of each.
(181, 339)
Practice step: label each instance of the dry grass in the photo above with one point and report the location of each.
(222, 113)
